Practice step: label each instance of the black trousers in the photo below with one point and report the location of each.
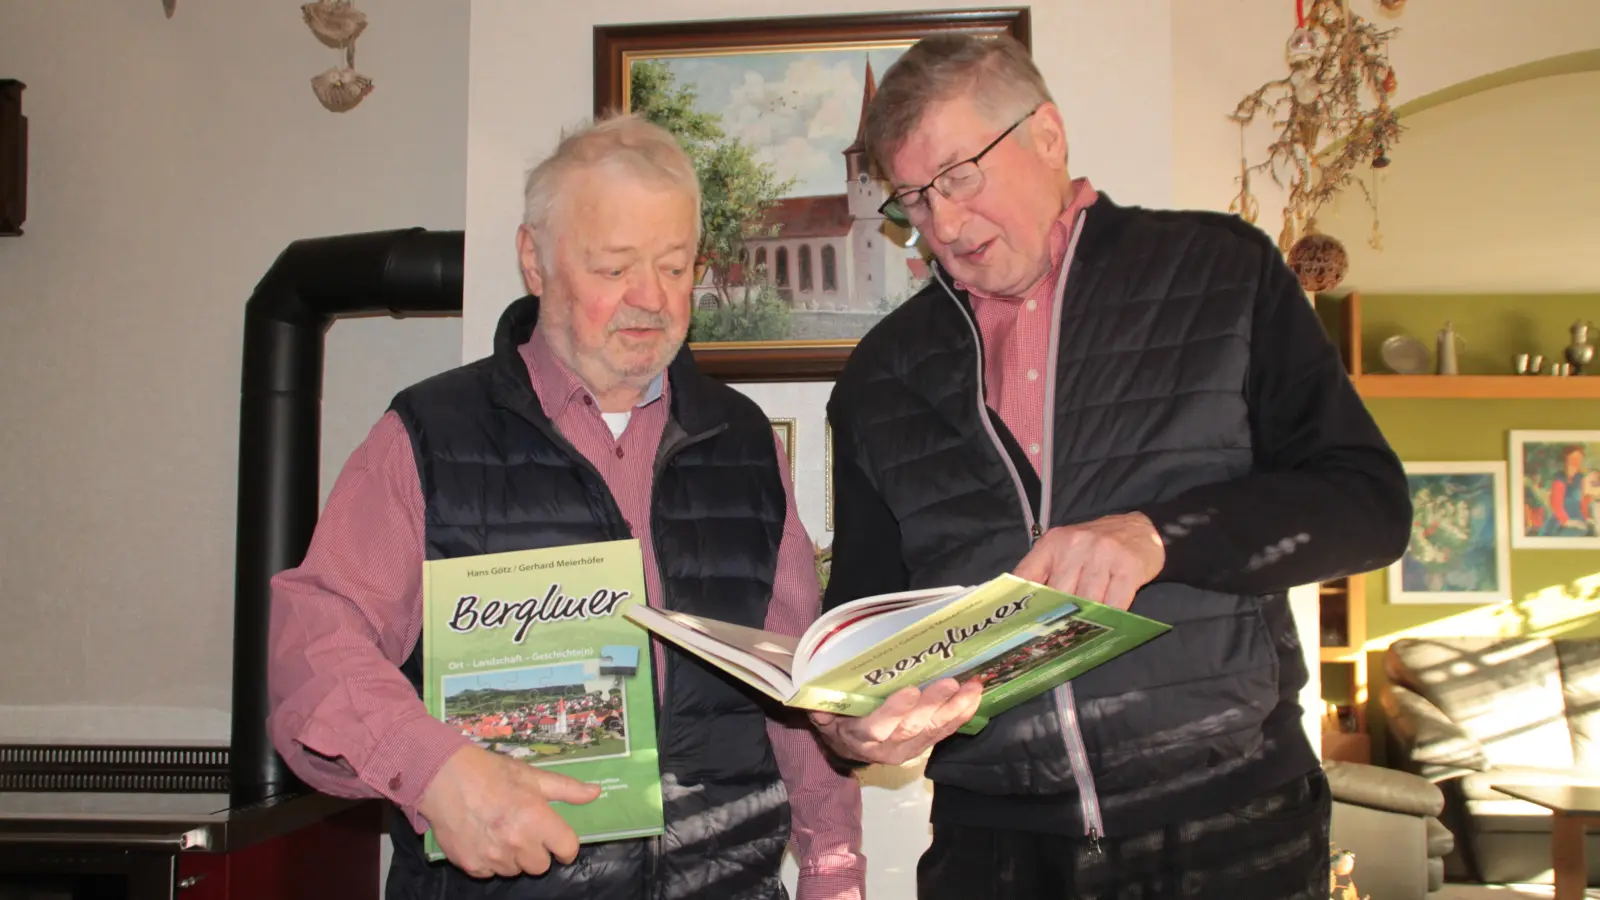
(1270, 847)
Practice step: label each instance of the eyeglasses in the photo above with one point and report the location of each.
(961, 181)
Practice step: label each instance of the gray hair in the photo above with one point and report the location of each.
(627, 143)
(996, 72)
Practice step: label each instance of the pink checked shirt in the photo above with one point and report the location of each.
(1016, 338)
(349, 723)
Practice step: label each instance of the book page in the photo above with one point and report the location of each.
(856, 636)
(760, 658)
(836, 621)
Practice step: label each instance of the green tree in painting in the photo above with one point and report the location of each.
(656, 95)
(736, 189)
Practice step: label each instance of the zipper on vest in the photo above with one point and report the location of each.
(1065, 701)
(1033, 526)
(1062, 698)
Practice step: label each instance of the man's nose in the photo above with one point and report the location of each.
(648, 292)
(945, 218)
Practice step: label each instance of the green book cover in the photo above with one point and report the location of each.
(531, 654)
(1018, 637)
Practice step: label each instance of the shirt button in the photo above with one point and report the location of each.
(1033, 305)
(394, 783)
(588, 400)
(1033, 374)
(1034, 449)
(619, 453)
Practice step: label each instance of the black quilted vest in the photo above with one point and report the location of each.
(497, 476)
(1149, 401)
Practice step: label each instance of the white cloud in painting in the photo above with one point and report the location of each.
(800, 120)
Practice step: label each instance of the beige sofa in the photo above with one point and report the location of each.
(1389, 820)
(1469, 713)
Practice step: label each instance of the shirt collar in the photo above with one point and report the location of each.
(1083, 197)
(557, 386)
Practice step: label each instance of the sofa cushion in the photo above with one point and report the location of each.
(1440, 840)
(1437, 744)
(1580, 684)
(1504, 692)
(1383, 789)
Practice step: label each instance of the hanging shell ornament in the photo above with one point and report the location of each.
(334, 22)
(341, 88)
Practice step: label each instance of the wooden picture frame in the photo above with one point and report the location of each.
(850, 240)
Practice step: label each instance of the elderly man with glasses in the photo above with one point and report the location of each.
(1133, 405)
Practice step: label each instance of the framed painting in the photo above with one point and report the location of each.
(1460, 550)
(795, 262)
(1555, 499)
(784, 429)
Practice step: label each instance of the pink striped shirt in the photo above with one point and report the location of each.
(349, 723)
(1016, 338)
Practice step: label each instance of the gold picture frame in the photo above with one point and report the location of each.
(785, 430)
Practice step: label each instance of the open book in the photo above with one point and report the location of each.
(1018, 637)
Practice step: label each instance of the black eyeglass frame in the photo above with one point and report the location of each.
(894, 210)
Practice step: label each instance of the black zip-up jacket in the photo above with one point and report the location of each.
(1191, 381)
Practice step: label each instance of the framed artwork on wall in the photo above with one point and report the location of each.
(795, 262)
(784, 429)
(1555, 490)
(1460, 550)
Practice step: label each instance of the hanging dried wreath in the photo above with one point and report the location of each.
(1331, 112)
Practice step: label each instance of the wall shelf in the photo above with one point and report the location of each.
(1479, 387)
(1453, 387)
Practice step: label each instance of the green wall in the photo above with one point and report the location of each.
(1554, 591)
(1493, 327)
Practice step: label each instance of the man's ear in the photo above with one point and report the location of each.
(1047, 135)
(528, 256)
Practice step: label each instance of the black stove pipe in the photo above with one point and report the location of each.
(313, 282)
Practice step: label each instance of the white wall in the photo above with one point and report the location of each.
(1512, 170)
(170, 162)
(1224, 49)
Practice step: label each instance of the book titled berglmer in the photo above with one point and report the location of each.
(531, 654)
(1017, 637)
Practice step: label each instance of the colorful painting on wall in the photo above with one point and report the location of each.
(1459, 550)
(1555, 501)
